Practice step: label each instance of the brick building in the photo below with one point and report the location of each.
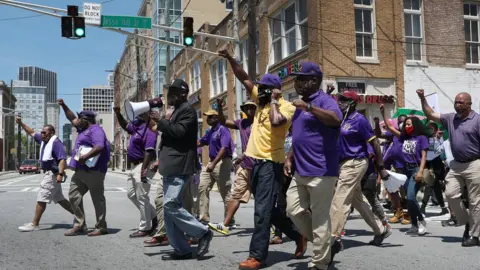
(353, 42)
(446, 57)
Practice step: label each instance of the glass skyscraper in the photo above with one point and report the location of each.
(161, 11)
(40, 77)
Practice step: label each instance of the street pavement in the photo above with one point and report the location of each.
(49, 249)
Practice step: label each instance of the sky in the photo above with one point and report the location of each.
(78, 63)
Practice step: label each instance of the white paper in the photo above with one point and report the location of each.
(395, 181)
(83, 150)
(432, 100)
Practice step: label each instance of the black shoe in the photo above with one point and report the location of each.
(204, 244)
(174, 256)
(313, 268)
(466, 232)
(444, 211)
(422, 209)
(378, 239)
(471, 242)
(452, 222)
(336, 248)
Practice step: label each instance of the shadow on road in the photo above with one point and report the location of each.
(241, 232)
(354, 233)
(56, 226)
(275, 256)
(168, 251)
(448, 239)
(304, 265)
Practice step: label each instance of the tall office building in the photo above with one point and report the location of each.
(30, 103)
(212, 11)
(53, 115)
(110, 78)
(66, 138)
(98, 99)
(40, 77)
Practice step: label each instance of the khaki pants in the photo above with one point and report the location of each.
(349, 193)
(82, 182)
(241, 185)
(221, 176)
(308, 205)
(138, 193)
(465, 175)
(189, 201)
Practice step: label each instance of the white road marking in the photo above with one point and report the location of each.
(25, 189)
(36, 189)
(122, 189)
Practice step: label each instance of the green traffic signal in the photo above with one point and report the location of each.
(188, 41)
(79, 32)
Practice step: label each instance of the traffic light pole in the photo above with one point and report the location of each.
(19, 143)
(167, 59)
(26, 7)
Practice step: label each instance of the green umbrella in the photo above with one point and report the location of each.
(417, 113)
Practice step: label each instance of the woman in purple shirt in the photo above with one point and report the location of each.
(414, 149)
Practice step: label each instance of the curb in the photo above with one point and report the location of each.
(8, 172)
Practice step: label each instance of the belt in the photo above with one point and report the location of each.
(411, 165)
(467, 161)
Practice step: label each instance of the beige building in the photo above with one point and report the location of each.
(7, 123)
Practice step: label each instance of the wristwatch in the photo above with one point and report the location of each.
(61, 174)
(309, 107)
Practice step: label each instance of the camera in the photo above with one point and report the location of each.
(265, 95)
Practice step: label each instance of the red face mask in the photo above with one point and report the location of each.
(409, 130)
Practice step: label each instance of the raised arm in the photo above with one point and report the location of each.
(30, 132)
(427, 110)
(221, 117)
(68, 113)
(389, 126)
(121, 121)
(378, 131)
(238, 70)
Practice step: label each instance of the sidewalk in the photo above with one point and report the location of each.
(7, 172)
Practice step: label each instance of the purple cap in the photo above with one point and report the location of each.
(270, 80)
(86, 114)
(309, 69)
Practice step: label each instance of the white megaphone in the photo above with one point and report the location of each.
(134, 109)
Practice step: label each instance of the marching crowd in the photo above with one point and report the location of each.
(307, 163)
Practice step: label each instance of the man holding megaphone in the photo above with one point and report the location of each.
(141, 152)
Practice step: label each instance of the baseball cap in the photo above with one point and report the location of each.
(349, 95)
(248, 102)
(210, 112)
(309, 69)
(271, 81)
(177, 84)
(86, 114)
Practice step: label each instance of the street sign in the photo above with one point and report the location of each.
(92, 13)
(126, 22)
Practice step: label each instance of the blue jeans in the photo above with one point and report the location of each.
(179, 221)
(412, 188)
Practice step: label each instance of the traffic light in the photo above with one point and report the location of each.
(188, 37)
(79, 27)
(73, 26)
(67, 30)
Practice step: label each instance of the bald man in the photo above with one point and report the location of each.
(464, 134)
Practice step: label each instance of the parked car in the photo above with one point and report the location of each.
(29, 166)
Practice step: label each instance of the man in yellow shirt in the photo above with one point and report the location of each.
(272, 120)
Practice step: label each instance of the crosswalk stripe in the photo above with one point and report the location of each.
(36, 189)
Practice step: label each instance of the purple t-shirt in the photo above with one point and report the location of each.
(58, 153)
(216, 138)
(313, 142)
(412, 148)
(355, 133)
(393, 154)
(141, 140)
(91, 137)
(371, 166)
(464, 135)
(245, 127)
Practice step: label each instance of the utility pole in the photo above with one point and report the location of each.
(19, 142)
(167, 57)
(139, 79)
(238, 85)
(252, 39)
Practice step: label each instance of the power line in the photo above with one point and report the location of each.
(19, 18)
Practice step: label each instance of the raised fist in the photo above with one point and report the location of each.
(60, 102)
(421, 93)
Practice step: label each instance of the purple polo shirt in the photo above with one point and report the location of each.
(216, 138)
(58, 153)
(393, 154)
(313, 142)
(412, 148)
(464, 135)
(141, 140)
(91, 137)
(355, 133)
(245, 127)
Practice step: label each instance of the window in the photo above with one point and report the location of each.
(195, 79)
(471, 20)
(413, 29)
(289, 30)
(218, 82)
(364, 28)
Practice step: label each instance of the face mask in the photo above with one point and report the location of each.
(409, 130)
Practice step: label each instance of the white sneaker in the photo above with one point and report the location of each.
(422, 227)
(28, 227)
(412, 230)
